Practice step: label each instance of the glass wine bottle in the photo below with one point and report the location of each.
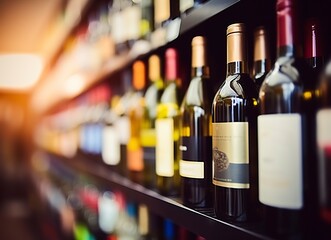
(195, 132)
(234, 113)
(282, 130)
(147, 134)
(167, 130)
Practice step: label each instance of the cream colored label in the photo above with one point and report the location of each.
(164, 147)
(231, 155)
(110, 146)
(123, 129)
(280, 160)
(323, 128)
(143, 220)
(191, 169)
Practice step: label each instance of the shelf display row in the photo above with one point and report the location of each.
(251, 149)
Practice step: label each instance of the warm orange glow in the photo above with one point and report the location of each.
(19, 71)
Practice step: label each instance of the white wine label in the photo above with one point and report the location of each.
(111, 150)
(164, 147)
(280, 160)
(323, 129)
(191, 169)
(230, 155)
(132, 16)
(196, 154)
(118, 29)
(123, 129)
(143, 219)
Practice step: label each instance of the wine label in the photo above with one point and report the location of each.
(132, 16)
(118, 29)
(143, 220)
(280, 160)
(194, 151)
(323, 130)
(191, 169)
(230, 155)
(123, 129)
(164, 147)
(111, 150)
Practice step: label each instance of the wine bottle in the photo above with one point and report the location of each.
(262, 63)
(314, 47)
(122, 123)
(167, 130)
(323, 119)
(195, 132)
(281, 130)
(313, 54)
(134, 150)
(234, 112)
(147, 135)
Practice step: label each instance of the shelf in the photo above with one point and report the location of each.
(202, 223)
(188, 22)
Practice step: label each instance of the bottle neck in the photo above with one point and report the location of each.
(261, 66)
(313, 44)
(202, 71)
(237, 67)
(287, 32)
(236, 53)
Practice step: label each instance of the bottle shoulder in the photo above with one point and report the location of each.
(237, 86)
(290, 71)
(198, 93)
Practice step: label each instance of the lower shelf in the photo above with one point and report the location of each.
(202, 223)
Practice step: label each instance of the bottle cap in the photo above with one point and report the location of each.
(171, 64)
(236, 43)
(198, 52)
(138, 75)
(154, 68)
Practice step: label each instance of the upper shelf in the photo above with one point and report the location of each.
(57, 84)
(202, 223)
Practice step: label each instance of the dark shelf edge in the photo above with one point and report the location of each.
(197, 222)
(204, 12)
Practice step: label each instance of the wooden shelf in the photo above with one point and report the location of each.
(200, 222)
